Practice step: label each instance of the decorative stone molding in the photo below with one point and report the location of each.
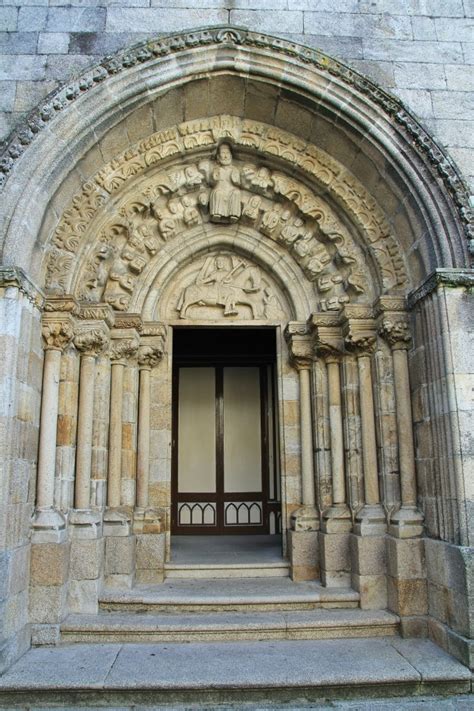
(97, 312)
(16, 278)
(151, 50)
(328, 341)
(445, 277)
(187, 195)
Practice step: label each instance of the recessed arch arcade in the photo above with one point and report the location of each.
(327, 207)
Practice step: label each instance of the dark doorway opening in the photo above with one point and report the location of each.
(225, 464)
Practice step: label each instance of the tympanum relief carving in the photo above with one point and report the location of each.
(229, 286)
(223, 189)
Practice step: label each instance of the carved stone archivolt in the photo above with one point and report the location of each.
(102, 257)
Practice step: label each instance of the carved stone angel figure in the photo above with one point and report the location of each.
(224, 200)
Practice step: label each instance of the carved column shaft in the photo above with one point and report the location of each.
(121, 349)
(406, 447)
(89, 343)
(84, 432)
(115, 436)
(369, 446)
(143, 454)
(336, 432)
(307, 467)
(48, 428)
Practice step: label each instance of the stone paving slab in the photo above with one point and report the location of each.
(226, 672)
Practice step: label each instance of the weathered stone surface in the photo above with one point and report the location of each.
(49, 564)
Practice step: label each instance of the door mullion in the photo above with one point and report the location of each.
(220, 447)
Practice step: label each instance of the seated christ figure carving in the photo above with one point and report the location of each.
(225, 201)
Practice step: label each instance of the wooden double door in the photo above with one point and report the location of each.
(225, 469)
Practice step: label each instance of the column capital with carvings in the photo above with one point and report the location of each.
(92, 339)
(328, 342)
(124, 345)
(359, 329)
(57, 330)
(300, 343)
(396, 332)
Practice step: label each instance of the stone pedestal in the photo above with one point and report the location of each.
(335, 560)
(87, 562)
(119, 549)
(304, 555)
(368, 558)
(149, 529)
(407, 585)
(49, 574)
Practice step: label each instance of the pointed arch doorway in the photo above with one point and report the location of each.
(225, 462)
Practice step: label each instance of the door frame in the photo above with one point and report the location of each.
(219, 363)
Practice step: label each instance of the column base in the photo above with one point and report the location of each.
(337, 519)
(370, 521)
(117, 523)
(49, 526)
(85, 524)
(305, 518)
(407, 522)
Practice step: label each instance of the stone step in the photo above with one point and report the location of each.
(231, 570)
(234, 595)
(230, 626)
(203, 674)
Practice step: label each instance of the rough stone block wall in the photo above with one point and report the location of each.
(421, 50)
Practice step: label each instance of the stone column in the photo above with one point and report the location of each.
(367, 542)
(361, 338)
(336, 519)
(305, 520)
(148, 522)
(407, 522)
(87, 544)
(57, 332)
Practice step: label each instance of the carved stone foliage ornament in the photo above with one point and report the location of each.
(221, 189)
(231, 286)
(149, 355)
(91, 342)
(396, 333)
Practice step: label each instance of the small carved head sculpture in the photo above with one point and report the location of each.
(220, 263)
(224, 154)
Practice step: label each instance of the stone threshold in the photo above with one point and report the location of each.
(197, 673)
(228, 626)
(249, 594)
(230, 570)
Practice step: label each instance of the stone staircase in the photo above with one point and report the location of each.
(206, 642)
(182, 610)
